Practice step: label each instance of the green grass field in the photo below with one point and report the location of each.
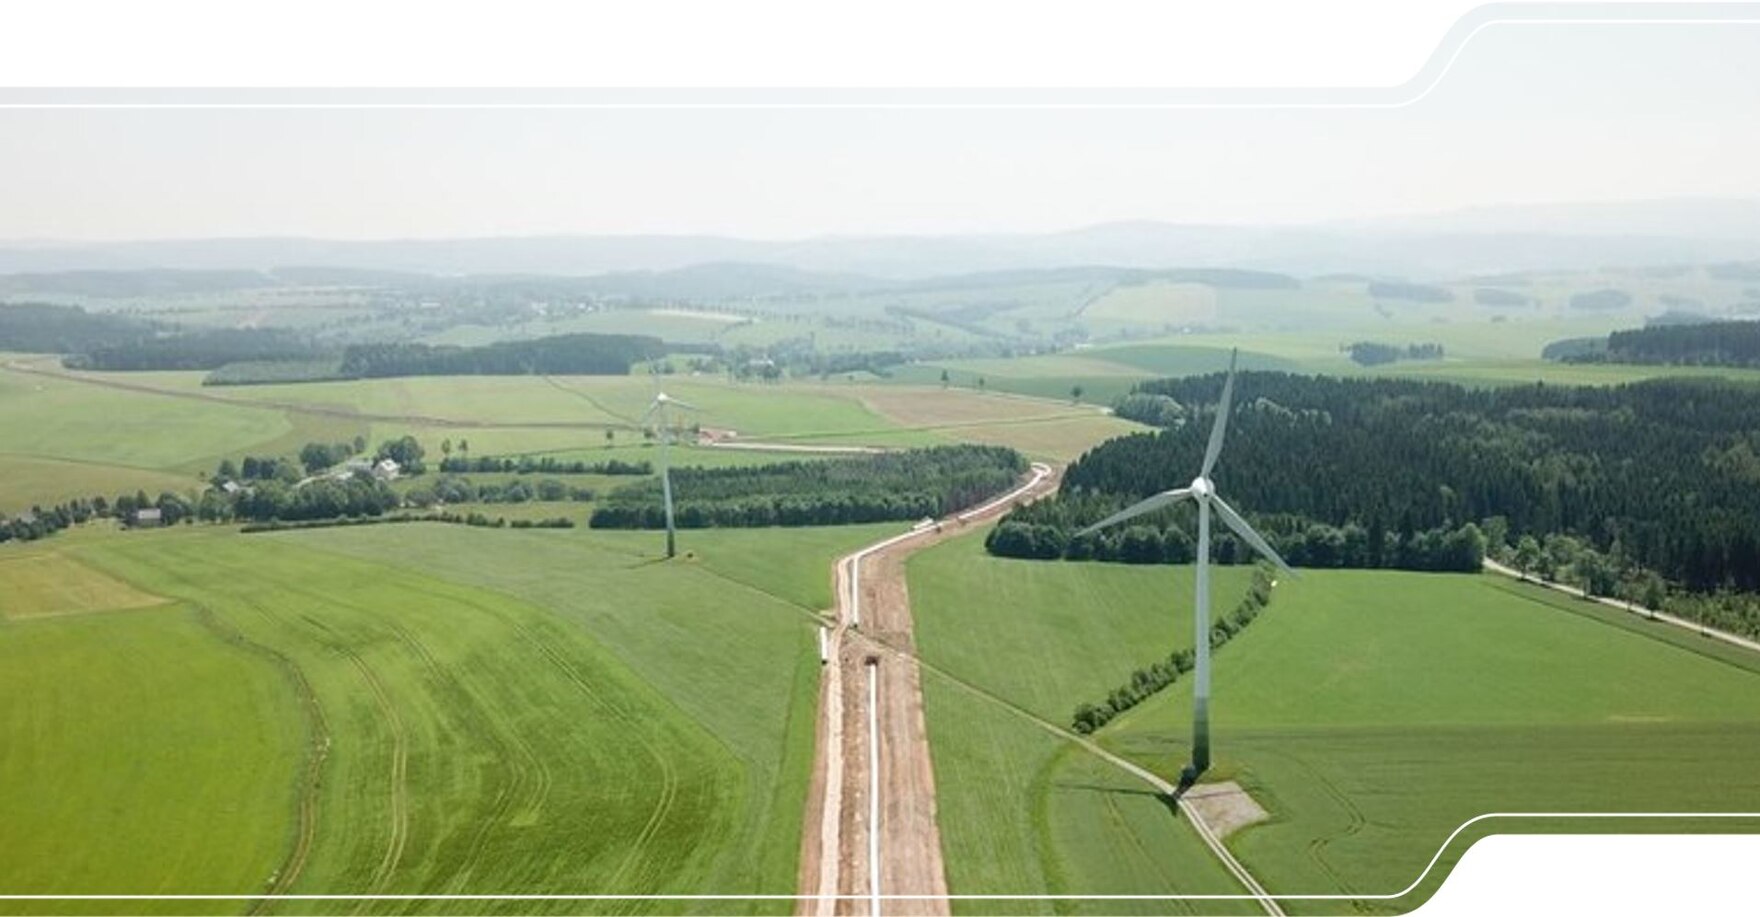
(492, 710)
(1375, 712)
(1022, 811)
(1370, 712)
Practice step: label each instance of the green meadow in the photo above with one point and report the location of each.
(1024, 812)
(1370, 712)
(422, 709)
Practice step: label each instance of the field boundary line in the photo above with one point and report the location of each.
(1634, 608)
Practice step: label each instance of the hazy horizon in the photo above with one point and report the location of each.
(1538, 115)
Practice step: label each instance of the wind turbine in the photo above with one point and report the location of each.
(1202, 490)
(661, 409)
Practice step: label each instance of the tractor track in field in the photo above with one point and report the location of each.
(317, 749)
(317, 746)
(529, 776)
(668, 771)
(399, 838)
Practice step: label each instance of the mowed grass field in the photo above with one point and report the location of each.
(1023, 812)
(1370, 712)
(1375, 712)
(421, 709)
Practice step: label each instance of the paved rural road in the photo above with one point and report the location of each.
(870, 816)
(1663, 616)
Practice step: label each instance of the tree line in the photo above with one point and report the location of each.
(208, 348)
(1668, 469)
(43, 328)
(525, 464)
(563, 354)
(1049, 533)
(1373, 353)
(913, 484)
(1701, 344)
(1150, 679)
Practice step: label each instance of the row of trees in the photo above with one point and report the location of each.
(526, 464)
(453, 489)
(477, 520)
(1669, 468)
(1166, 541)
(912, 484)
(39, 522)
(1146, 681)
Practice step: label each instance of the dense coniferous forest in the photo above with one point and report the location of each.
(898, 485)
(39, 328)
(1663, 475)
(1703, 344)
(564, 354)
(206, 349)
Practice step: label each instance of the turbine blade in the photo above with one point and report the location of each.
(1164, 498)
(1221, 425)
(680, 404)
(652, 409)
(1247, 534)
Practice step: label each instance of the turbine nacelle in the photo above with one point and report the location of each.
(1201, 488)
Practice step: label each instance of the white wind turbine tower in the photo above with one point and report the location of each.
(1204, 492)
(661, 410)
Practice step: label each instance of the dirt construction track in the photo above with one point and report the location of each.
(844, 847)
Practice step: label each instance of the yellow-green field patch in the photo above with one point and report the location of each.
(47, 583)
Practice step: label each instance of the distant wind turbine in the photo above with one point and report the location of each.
(661, 410)
(1204, 492)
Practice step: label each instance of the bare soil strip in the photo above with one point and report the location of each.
(835, 855)
(836, 862)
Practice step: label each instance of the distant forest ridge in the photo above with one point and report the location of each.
(106, 342)
(704, 281)
(1726, 343)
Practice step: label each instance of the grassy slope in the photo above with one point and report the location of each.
(590, 721)
(55, 418)
(142, 755)
(726, 636)
(1374, 712)
(1022, 811)
(475, 743)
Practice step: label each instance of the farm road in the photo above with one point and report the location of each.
(872, 632)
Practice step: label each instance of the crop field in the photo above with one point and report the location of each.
(43, 582)
(27, 480)
(1370, 712)
(180, 775)
(57, 418)
(1041, 428)
(1025, 812)
(1373, 713)
(493, 711)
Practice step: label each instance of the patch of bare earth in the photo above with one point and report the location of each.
(1225, 807)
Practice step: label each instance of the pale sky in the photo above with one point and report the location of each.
(1528, 114)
